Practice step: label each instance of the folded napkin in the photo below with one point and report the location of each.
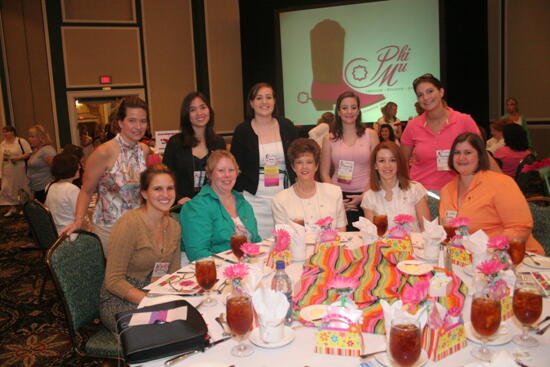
(271, 307)
(368, 230)
(297, 245)
(476, 243)
(500, 359)
(433, 231)
(396, 310)
(252, 279)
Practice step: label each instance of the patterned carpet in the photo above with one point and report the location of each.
(31, 333)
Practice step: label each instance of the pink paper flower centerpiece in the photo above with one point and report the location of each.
(236, 271)
(250, 249)
(491, 267)
(344, 286)
(282, 240)
(460, 222)
(498, 243)
(325, 222)
(403, 219)
(416, 294)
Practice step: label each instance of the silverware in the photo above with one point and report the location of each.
(220, 320)
(222, 286)
(370, 355)
(543, 330)
(532, 257)
(185, 355)
(224, 259)
(543, 321)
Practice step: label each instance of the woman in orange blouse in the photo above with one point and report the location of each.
(492, 201)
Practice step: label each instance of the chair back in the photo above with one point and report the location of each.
(541, 221)
(433, 205)
(78, 270)
(41, 223)
(528, 182)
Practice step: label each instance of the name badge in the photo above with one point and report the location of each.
(450, 215)
(345, 171)
(271, 171)
(442, 157)
(160, 270)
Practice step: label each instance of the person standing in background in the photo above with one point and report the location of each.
(38, 165)
(186, 153)
(13, 177)
(259, 145)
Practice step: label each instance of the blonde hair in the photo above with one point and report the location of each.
(40, 133)
(215, 157)
(386, 111)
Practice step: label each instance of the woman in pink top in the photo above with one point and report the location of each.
(347, 148)
(515, 149)
(431, 134)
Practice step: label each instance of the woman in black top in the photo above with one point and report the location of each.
(260, 144)
(186, 153)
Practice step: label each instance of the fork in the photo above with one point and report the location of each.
(532, 257)
(219, 320)
(543, 330)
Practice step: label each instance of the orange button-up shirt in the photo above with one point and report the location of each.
(493, 203)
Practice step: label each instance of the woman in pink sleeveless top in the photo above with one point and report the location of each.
(348, 148)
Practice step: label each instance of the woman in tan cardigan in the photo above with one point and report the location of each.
(142, 240)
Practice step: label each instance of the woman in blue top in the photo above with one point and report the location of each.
(210, 218)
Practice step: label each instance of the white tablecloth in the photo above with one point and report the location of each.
(300, 353)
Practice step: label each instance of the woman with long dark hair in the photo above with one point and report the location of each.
(348, 148)
(187, 152)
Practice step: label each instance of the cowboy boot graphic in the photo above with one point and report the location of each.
(327, 57)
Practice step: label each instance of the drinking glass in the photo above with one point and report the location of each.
(527, 306)
(237, 240)
(485, 316)
(299, 221)
(516, 250)
(381, 223)
(239, 319)
(405, 342)
(450, 231)
(205, 271)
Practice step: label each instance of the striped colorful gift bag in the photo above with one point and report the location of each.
(339, 335)
(442, 342)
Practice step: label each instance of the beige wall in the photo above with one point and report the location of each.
(528, 56)
(168, 46)
(223, 38)
(27, 65)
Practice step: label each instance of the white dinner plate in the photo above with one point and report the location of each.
(542, 260)
(289, 335)
(384, 359)
(414, 267)
(313, 312)
(419, 253)
(468, 270)
(503, 335)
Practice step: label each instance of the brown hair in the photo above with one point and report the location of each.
(337, 129)
(427, 78)
(477, 143)
(130, 102)
(147, 176)
(402, 168)
(302, 146)
(499, 124)
(254, 92)
(326, 118)
(215, 157)
(386, 110)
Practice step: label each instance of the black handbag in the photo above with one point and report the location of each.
(142, 343)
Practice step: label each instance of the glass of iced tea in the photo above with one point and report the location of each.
(527, 306)
(239, 318)
(450, 231)
(381, 223)
(237, 240)
(205, 272)
(516, 250)
(405, 342)
(485, 316)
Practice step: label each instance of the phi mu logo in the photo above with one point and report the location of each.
(331, 78)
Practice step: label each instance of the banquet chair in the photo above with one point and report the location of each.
(43, 230)
(530, 182)
(540, 209)
(78, 269)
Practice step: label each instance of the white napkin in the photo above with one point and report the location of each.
(433, 231)
(252, 279)
(368, 230)
(297, 245)
(271, 307)
(476, 243)
(396, 310)
(500, 359)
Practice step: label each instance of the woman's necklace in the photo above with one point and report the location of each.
(305, 194)
(158, 230)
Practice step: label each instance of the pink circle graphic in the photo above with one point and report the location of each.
(356, 73)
